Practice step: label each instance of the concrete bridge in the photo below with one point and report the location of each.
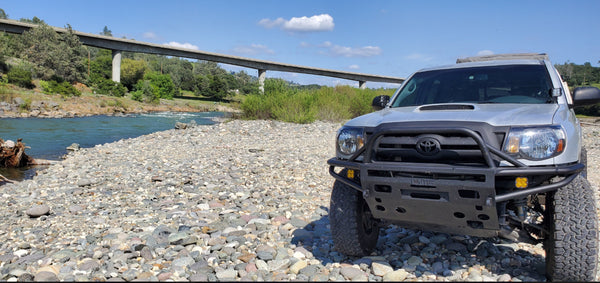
(118, 45)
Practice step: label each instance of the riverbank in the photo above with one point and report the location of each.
(19, 103)
(241, 200)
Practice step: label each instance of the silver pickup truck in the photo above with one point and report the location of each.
(488, 147)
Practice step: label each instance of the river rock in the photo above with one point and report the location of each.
(236, 201)
(38, 210)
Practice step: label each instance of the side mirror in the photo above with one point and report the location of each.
(380, 102)
(585, 96)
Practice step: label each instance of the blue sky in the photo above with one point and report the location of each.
(391, 38)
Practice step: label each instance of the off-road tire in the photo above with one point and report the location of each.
(353, 229)
(572, 246)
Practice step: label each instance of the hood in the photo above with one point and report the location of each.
(493, 114)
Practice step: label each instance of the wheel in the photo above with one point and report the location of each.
(353, 228)
(572, 244)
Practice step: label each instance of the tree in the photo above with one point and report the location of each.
(106, 32)
(101, 67)
(217, 87)
(132, 71)
(34, 20)
(160, 85)
(3, 14)
(53, 54)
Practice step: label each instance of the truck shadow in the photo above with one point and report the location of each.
(433, 255)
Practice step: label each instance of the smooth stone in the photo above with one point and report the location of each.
(38, 210)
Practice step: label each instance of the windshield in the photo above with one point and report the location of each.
(490, 84)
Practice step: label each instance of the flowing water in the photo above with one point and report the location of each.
(48, 138)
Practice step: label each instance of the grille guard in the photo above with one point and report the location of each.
(447, 204)
(570, 171)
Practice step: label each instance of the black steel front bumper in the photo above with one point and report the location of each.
(441, 197)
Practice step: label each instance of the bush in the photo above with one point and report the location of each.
(283, 102)
(160, 85)
(145, 92)
(108, 87)
(20, 77)
(64, 88)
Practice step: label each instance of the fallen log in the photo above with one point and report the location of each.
(12, 155)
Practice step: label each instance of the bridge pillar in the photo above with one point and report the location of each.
(261, 80)
(116, 65)
(362, 84)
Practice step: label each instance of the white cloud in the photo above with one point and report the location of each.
(366, 51)
(485, 53)
(253, 49)
(329, 49)
(353, 67)
(419, 57)
(149, 35)
(182, 45)
(271, 23)
(316, 23)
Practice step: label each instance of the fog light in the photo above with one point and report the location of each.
(350, 174)
(521, 182)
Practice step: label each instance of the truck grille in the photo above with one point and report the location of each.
(440, 146)
(427, 148)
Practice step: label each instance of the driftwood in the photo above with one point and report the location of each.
(12, 155)
(4, 179)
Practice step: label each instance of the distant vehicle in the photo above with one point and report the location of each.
(487, 147)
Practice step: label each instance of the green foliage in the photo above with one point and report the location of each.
(581, 75)
(290, 104)
(52, 54)
(63, 88)
(153, 87)
(201, 83)
(19, 76)
(217, 87)
(106, 32)
(34, 20)
(145, 92)
(108, 87)
(25, 106)
(3, 14)
(101, 68)
(132, 71)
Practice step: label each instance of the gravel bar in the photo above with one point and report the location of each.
(239, 200)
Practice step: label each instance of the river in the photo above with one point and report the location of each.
(48, 138)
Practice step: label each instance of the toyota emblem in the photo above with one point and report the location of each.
(428, 146)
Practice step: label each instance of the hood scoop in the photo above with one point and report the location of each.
(447, 107)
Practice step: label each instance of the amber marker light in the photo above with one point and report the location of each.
(561, 145)
(521, 182)
(513, 144)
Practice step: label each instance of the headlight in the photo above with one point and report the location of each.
(535, 143)
(349, 140)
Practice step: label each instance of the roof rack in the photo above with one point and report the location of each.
(513, 56)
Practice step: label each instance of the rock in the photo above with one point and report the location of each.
(180, 125)
(227, 274)
(351, 272)
(73, 147)
(414, 260)
(297, 266)
(45, 276)
(395, 276)
(38, 210)
(381, 268)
